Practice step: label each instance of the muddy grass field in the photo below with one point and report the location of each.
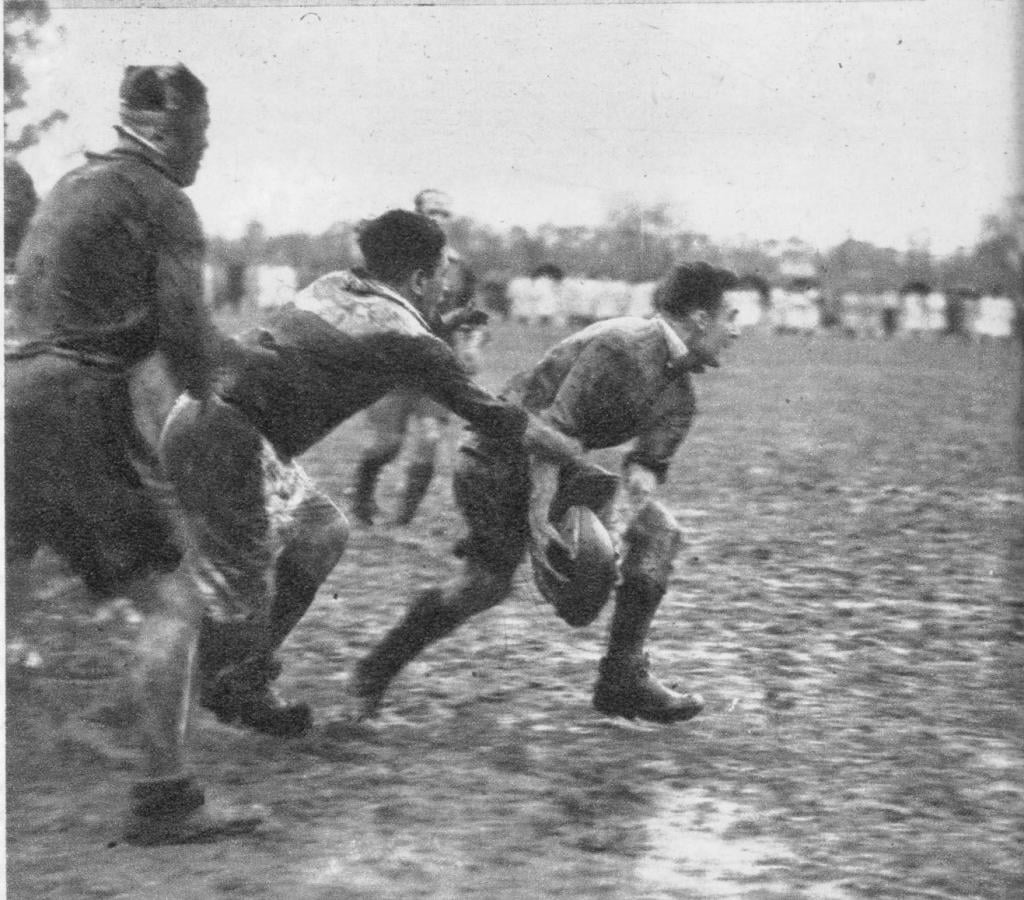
(845, 602)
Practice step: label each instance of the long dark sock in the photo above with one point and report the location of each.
(417, 482)
(636, 601)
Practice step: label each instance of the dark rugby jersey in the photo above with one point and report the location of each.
(618, 380)
(345, 343)
(112, 265)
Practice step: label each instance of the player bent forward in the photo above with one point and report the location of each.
(268, 536)
(108, 307)
(615, 381)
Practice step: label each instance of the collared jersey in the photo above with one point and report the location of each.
(112, 265)
(615, 381)
(345, 343)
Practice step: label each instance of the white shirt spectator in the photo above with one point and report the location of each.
(641, 299)
(274, 285)
(747, 303)
(995, 318)
(915, 317)
(935, 312)
(520, 299)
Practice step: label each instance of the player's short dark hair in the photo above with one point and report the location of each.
(398, 243)
(693, 286)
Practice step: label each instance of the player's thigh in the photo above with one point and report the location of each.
(215, 460)
(311, 527)
(80, 479)
(492, 491)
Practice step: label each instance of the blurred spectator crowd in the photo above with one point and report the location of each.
(798, 306)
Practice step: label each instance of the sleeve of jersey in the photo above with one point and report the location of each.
(187, 334)
(432, 366)
(674, 413)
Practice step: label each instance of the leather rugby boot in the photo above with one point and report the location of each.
(174, 811)
(626, 688)
(243, 694)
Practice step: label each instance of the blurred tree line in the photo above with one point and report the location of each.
(638, 244)
(635, 243)
(22, 21)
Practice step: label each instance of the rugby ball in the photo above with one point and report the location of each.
(577, 581)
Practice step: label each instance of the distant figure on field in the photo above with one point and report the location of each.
(409, 413)
(913, 315)
(547, 294)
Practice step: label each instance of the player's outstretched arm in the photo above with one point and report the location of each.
(546, 443)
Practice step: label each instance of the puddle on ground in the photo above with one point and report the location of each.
(701, 846)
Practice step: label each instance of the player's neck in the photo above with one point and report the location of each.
(685, 329)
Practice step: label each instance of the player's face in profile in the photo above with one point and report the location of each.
(721, 330)
(433, 287)
(185, 145)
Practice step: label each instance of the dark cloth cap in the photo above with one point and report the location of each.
(162, 89)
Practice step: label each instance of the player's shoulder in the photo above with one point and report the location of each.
(624, 331)
(356, 306)
(648, 342)
(123, 185)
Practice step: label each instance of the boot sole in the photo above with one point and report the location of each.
(299, 722)
(153, 834)
(622, 711)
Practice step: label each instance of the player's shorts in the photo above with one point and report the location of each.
(243, 504)
(492, 489)
(80, 478)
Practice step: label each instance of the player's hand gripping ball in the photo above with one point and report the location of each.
(577, 579)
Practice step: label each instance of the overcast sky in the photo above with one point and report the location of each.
(883, 121)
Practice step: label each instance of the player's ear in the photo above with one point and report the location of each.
(700, 319)
(416, 282)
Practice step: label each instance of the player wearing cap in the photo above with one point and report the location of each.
(111, 326)
(408, 412)
(624, 379)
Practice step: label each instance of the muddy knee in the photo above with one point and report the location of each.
(650, 545)
(322, 541)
